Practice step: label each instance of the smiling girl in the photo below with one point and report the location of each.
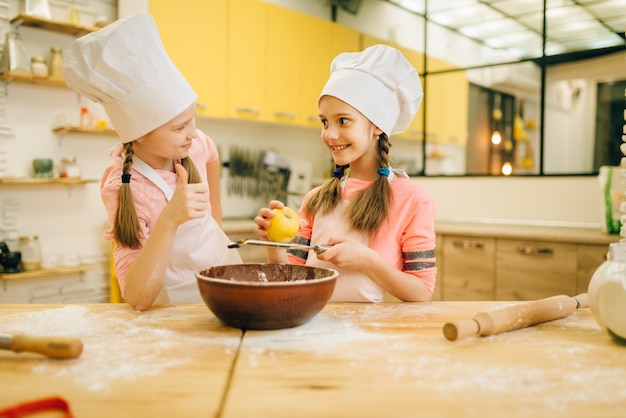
(380, 224)
(161, 188)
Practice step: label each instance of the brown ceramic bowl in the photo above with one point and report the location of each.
(266, 296)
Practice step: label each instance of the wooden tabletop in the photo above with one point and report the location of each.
(361, 360)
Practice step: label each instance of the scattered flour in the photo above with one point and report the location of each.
(112, 344)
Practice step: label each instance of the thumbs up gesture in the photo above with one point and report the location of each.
(190, 201)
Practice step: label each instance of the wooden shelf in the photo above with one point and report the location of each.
(34, 181)
(48, 272)
(67, 129)
(28, 78)
(52, 25)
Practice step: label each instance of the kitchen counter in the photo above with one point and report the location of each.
(388, 359)
(573, 234)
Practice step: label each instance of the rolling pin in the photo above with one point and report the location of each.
(515, 316)
(55, 347)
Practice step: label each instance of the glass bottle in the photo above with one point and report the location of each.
(31, 252)
(607, 292)
(38, 67)
(56, 62)
(69, 168)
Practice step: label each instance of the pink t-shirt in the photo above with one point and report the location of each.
(407, 239)
(148, 198)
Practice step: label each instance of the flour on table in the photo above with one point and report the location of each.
(112, 349)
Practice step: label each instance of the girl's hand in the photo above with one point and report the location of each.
(265, 214)
(347, 254)
(190, 201)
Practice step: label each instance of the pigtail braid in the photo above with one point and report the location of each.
(126, 227)
(370, 208)
(329, 194)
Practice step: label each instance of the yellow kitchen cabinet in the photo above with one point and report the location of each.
(284, 51)
(322, 41)
(197, 48)
(447, 100)
(247, 59)
(468, 267)
(528, 270)
(589, 259)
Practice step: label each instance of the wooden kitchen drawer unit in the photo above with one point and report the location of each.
(468, 268)
(589, 259)
(528, 270)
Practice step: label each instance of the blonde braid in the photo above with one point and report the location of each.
(126, 228)
(371, 207)
(329, 195)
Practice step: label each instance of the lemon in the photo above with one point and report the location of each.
(285, 225)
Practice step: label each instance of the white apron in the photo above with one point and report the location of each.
(199, 243)
(352, 285)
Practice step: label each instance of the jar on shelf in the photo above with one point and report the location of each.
(38, 67)
(56, 62)
(31, 252)
(69, 168)
(607, 292)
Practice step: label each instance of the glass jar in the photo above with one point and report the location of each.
(69, 168)
(56, 62)
(31, 252)
(38, 67)
(607, 292)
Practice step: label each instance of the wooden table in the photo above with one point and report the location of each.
(361, 360)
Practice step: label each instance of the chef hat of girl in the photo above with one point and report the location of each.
(125, 68)
(380, 83)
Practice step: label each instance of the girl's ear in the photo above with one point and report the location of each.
(377, 131)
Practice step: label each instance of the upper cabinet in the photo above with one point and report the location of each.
(247, 59)
(197, 44)
(256, 61)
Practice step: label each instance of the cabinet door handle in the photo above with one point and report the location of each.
(250, 110)
(468, 244)
(286, 115)
(530, 250)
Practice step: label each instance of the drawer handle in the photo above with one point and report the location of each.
(250, 110)
(529, 250)
(285, 115)
(469, 244)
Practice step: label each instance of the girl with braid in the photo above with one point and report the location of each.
(161, 188)
(379, 223)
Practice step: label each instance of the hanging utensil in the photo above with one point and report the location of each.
(55, 347)
(317, 248)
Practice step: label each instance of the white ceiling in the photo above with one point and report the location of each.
(517, 25)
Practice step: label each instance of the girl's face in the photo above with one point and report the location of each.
(350, 136)
(168, 142)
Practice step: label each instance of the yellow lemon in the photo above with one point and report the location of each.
(285, 225)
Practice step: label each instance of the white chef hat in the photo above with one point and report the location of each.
(380, 83)
(125, 68)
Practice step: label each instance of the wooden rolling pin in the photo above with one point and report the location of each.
(55, 347)
(515, 316)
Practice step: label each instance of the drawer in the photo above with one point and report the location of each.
(468, 268)
(589, 259)
(529, 270)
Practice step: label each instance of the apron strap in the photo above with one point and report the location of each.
(143, 168)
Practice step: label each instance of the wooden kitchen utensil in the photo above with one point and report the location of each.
(515, 316)
(55, 347)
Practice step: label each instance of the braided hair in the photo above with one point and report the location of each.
(126, 227)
